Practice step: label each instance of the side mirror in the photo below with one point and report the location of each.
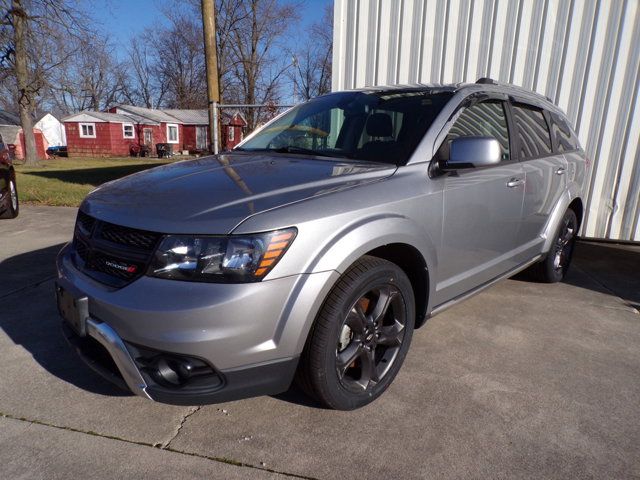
(470, 152)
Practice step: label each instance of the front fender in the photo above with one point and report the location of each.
(333, 257)
(356, 239)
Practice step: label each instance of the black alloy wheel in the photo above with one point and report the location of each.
(554, 267)
(360, 337)
(563, 247)
(370, 338)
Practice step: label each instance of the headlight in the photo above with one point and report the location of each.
(230, 259)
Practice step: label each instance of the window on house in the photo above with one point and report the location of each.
(127, 130)
(87, 130)
(232, 133)
(172, 133)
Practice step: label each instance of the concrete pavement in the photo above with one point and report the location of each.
(522, 381)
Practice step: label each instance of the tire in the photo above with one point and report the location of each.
(11, 207)
(361, 336)
(556, 264)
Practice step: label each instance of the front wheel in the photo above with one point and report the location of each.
(11, 208)
(361, 336)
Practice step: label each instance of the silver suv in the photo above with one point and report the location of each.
(315, 248)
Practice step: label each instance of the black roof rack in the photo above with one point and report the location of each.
(487, 80)
(491, 81)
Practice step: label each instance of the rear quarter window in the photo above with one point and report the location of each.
(534, 139)
(565, 138)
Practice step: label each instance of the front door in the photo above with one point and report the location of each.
(148, 137)
(201, 138)
(482, 208)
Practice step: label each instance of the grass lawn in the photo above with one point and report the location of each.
(66, 181)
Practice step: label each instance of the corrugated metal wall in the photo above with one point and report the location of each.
(583, 54)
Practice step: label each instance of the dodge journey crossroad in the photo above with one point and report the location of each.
(315, 248)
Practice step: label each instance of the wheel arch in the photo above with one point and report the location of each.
(569, 199)
(578, 208)
(411, 261)
(394, 238)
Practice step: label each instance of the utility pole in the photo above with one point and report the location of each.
(211, 59)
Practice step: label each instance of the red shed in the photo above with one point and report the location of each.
(233, 124)
(12, 135)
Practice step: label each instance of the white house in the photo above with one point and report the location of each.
(53, 130)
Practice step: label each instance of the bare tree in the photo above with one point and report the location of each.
(258, 67)
(92, 78)
(143, 87)
(178, 58)
(26, 23)
(311, 73)
(228, 18)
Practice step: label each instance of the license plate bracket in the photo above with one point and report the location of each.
(74, 309)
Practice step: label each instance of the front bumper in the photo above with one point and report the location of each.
(250, 334)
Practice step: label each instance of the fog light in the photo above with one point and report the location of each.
(164, 372)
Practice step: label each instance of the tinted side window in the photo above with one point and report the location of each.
(533, 132)
(565, 138)
(486, 119)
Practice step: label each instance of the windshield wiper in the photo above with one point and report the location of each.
(294, 149)
(287, 149)
(297, 150)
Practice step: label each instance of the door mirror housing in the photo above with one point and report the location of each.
(473, 152)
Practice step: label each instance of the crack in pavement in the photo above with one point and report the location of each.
(193, 410)
(27, 287)
(166, 448)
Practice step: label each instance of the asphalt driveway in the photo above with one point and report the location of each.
(522, 381)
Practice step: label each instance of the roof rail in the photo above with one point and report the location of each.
(491, 81)
(487, 80)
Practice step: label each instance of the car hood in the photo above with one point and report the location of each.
(214, 194)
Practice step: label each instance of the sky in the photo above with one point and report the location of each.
(125, 18)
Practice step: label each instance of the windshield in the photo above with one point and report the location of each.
(373, 126)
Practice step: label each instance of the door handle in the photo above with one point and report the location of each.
(515, 182)
(560, 171)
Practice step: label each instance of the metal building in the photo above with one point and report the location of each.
(583, 54)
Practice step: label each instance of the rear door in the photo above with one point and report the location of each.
(544, 174)
(482, 207)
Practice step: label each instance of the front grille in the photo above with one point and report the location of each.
(128, 236)
(112, 254)
(85, 222)
(82, 250)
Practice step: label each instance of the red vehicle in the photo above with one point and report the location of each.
(9, 205)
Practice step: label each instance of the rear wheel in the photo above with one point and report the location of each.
(556, 264)
(361, 336)
(11, 206)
